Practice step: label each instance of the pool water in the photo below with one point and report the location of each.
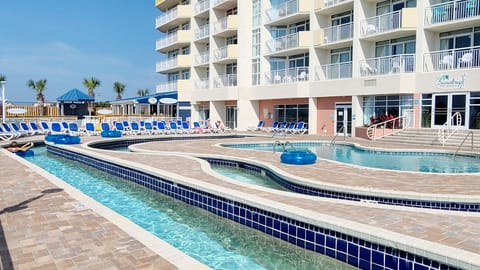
(248, 177)
(391, 160)
(216, 242)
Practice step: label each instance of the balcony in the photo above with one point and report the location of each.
(226, 55)
(390, 25)
(288, 12)
(201, 33)
(174, 64)
(174, 41)
(336, 36)
(202, 59)
(226, 26)
(334, 71)
(164, 5)
(202, 83)
(290, 75)
(201, 8)
(329, 7)
(452, 15)
(224, 4)
(463, 58)
(229, 80)
(401, 63)
(290, 44)
(180, 85)
(173, 17)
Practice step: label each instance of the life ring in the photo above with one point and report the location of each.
(298, 157)
(28, 153)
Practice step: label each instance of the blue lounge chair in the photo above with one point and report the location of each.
(135, 128)
(258, 127)
(45, 127)
(120, 127)
(35, 128)
(17, 129)
(273, 127)
(162, 128)
(56, 128)
(25, 127)
(73, 129)
(90, 129)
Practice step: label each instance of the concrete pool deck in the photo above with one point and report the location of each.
(444, 231)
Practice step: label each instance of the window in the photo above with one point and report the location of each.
(186, 50)
(291, 113)
(256, 71)
(300, 26)
(256, 43)
(474, 110)
(426, 120)
(385, 105)
(231, 68)
(397, 46)
(231, 40)
(342, 18)
(231, 11)
(257, 13)
(300, 60)
(460, 39)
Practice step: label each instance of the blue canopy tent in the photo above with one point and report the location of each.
(74, 102)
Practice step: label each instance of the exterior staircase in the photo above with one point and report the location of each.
(427, 136)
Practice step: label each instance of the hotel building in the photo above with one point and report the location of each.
(334, 64)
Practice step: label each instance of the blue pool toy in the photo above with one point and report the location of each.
(298, 157)
(111, 134)
(62, 139)
(28, 153)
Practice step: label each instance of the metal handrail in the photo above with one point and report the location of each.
(342, 129)
(372, 130)
(284, 144)
(445, 132)
(461, 144)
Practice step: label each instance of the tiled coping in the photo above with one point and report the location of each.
(336, 238)
(303, 189)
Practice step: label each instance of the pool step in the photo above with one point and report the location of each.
(429, 137)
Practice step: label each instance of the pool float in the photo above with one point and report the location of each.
(298, 157)
(111, 134)
(28, 153)
(62, 139)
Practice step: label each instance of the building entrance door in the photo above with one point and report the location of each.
(343, 119)
(445, 105)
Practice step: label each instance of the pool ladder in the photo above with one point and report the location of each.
(283, 145)
(461, 144)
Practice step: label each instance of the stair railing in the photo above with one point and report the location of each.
(461, 144)
(388, 127)
(447, 130)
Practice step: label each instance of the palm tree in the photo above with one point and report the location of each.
(40, 87)
(118, 88)
(2, 77)
(91, 84)
(143, 92)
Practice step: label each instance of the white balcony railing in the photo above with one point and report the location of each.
(229, 80)
(167, 64)
(167, 87)
(452, 11)
(220, 53)
(334, 71)
(167, 40)
(280, 11)
(337, 33)
(201, 6)
(220, 25)
(329, 3)
(202, 83)
(382, 23)
(166, 17)
(452, 59)
(202, 31)
(218, 2)
(401, 63)
(202, 58)
(290, 75)
(283, 43)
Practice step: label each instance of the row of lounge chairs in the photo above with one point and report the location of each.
(282, 127)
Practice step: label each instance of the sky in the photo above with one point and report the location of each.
(65, 41)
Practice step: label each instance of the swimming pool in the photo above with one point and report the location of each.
(247, 176)
(217, 242)
(415, 161)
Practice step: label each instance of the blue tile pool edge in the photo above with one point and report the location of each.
(342, 195)
(357, 252)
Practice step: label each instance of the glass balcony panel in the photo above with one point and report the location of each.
(452, 11)
(335, 71)
(290, 75)
(167, 40)
(382, 23)
(202, 83)
(202, 58)
(202, 31)
(283, 43)
(229, 80)
(167, 64)
(280, 11)
(201, 6)
(338, 33)
(329, 3)
(401, 63)
(452, 59)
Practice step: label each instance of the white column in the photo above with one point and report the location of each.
(312, 116)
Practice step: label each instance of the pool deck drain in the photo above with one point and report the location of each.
(451, 229)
